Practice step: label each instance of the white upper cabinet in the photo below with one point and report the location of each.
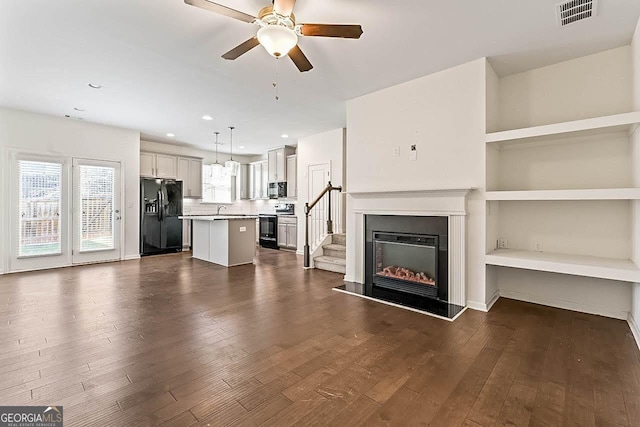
(147, 165)
(166, 166)
(194, 188)
(258, 179)
(185, 169)
(292, 176)
(277, 163)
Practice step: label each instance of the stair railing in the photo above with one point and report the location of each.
(324, 210)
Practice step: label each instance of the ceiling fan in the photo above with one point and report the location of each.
(279, 32)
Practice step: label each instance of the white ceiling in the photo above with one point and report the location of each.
(159, 60)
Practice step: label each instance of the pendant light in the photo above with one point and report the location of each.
(231, 164)
(217, 167)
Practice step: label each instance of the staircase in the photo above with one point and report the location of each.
(334, 255)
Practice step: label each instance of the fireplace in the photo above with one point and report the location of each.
(418, 231)
(406, 262)
(408, 254)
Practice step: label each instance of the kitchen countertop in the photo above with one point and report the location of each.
(217, 217)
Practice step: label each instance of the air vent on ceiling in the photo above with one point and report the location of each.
(572, 11)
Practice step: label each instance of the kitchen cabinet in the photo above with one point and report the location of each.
(258, 179)
(166, 166)
(277, 163)
(147, 165)
(292, 176)
(158, 166)
(287, 232)
(190, 173)
(185, 169)
(243, 183)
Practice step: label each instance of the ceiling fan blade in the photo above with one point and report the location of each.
(331, 30)
(241, 49)
(300, 59)
(223, 10)
(283, 7)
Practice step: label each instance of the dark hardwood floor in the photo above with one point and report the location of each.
(175, 341)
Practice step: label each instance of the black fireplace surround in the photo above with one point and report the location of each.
(412, 244)
(407, 263)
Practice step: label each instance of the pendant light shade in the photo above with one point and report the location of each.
(231, 164)
(217, 168)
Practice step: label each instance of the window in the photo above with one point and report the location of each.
(216, 186)
(40, 203)
(96, 197)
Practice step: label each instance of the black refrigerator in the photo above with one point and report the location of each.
(160, 207)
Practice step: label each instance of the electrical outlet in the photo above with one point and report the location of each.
(537, 245)
(503, 244)
(396, 152)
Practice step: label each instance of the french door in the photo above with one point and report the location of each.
(96, 211)
(62, 215)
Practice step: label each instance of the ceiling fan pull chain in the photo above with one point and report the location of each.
(276, 84)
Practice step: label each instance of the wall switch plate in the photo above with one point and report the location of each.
(243, 229)
(396, 152)
(503, 244)
(537, 245)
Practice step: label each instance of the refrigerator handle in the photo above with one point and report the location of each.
(160, 206)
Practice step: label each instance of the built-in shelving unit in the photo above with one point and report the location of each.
(562, 197)
(577, 265)
(579, 194)
(626, 122)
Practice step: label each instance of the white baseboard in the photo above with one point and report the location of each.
(634, 329)
(130, 257)
(567, 305)
(494, 298)
(478, 306)
(485, 307)
(349, 279)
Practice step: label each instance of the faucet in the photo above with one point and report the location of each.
(220, 207)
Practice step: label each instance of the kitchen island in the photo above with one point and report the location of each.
(228, 240)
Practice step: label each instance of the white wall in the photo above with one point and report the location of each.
(591, 86)
(59, 136)
(443, 114)
(327, 147)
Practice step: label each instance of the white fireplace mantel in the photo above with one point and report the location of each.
(451, 203)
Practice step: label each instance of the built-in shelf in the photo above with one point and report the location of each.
(577, 265)
(596, 126)
(581, 194)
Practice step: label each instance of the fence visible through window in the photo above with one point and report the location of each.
(40, 204)
(97, 198)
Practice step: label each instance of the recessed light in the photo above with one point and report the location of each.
(241, 147)
(207, 117)
(171, 135)
(284, 135)
(79, 109)
(94, 86)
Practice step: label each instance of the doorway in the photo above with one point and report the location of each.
(96, 211)
(63, 211)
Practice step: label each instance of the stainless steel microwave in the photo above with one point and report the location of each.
(277, 190)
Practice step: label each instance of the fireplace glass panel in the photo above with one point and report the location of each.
(409, 258)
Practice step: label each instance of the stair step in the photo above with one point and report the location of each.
(331, 260)
(335, 251)
(339, 239)
(329, 263)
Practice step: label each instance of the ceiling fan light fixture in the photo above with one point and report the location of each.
(278, 40)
